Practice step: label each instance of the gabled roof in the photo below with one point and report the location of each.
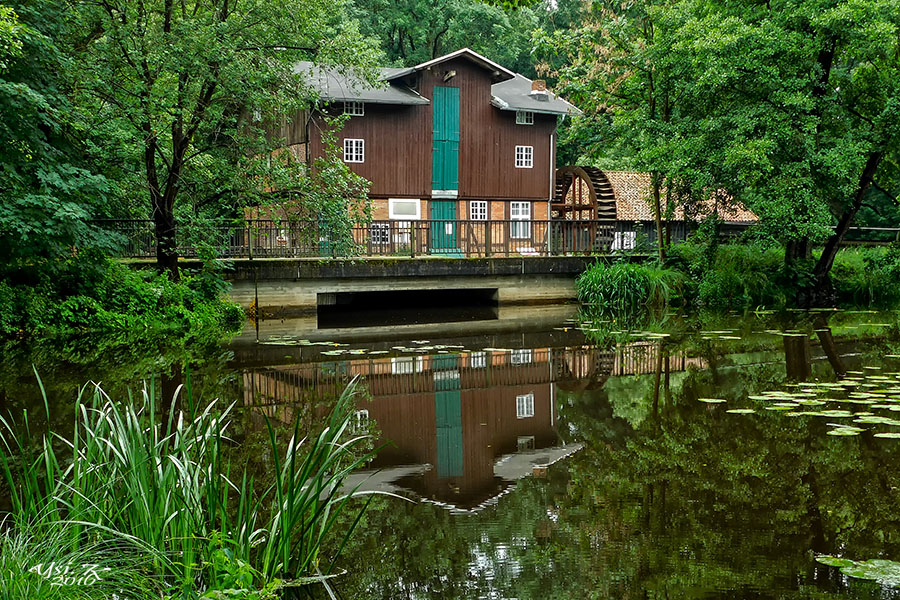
(499, 72)
(632, 192)
(515, 94)
(511, 93)
(335, 85)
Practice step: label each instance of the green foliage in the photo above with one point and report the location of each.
(162, 480)
(868, 277)
(38, 563)
(627, 288)
(89, 293)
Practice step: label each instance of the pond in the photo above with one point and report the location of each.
(530, 456)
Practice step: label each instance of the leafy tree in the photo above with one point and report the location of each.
(175, 87)
(47, 190)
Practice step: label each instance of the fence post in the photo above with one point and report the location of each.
(488, 225)
(412, 239)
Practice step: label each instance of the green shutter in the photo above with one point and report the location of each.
(445, 138)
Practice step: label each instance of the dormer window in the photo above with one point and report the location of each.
(354, 108)
(524, 117)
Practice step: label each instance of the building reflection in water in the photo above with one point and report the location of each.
(457, 429)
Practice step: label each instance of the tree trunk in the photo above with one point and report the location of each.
(656, 183)
(821, 282)
(166, 246)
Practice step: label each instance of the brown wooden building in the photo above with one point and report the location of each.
(455, 138)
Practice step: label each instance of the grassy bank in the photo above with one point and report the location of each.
(95, 294)
(728, 277)
(144, 502)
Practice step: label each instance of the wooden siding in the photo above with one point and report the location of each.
(399, 143)
(397, 149)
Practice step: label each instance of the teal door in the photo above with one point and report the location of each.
(445, 139)
(448, 416)
(443, 226)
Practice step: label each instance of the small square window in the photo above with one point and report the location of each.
(524, 406)
(354, 150)
(525, 443)
(380, 233)
(354, 109)
(524, 117)
(478, 360)
(524, 157)
(478, 210)
(521, 357)
(624, 240)
(407, 365)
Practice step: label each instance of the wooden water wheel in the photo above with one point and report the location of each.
(583, 194)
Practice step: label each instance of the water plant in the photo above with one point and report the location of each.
(625, 288)
(163, 481)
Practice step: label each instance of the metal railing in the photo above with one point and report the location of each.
(430, 237)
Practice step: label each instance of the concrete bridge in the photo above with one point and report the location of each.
(295, 287)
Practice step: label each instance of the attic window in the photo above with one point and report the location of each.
(524, 117)
(354, 108)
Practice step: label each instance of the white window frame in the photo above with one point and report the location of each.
(520, 211)
(354, 108)
(392, 209)
(478, 360)
(380, 234)
(624, 240)
(521, 357)
(407, 365)
(524, 117)
(524, 406)
(360, 423)
(524, 157)
(478, 210)
(524, 443)
(354, 150)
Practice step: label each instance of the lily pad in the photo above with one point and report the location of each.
(845, 431)
(740, 411)
(711, 400)
(835, 561)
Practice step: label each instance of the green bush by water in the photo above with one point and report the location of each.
(99, 295)
(739, 277)
(159, 485)
(627, 288)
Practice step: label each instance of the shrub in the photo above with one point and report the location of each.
(627, 288)
(867, 276)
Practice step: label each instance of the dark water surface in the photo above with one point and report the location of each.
(542, 459)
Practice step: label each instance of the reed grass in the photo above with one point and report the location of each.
(162, 480)
(624, 288)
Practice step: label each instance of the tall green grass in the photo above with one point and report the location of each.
(161, 480)
(624, 288)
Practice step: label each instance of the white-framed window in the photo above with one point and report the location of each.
(521, 357)
(406, 209)
(354, 150)
(478, 210)
(380, 233)
(520, 211)
(360, 421)
(525, 443)
(478, 360)
(524, 157)
(354, 108)
(406, 365)
(524, 117)
(524, 406)
(624, 240)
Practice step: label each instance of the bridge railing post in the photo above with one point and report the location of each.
(488, 226)
(412, 239)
